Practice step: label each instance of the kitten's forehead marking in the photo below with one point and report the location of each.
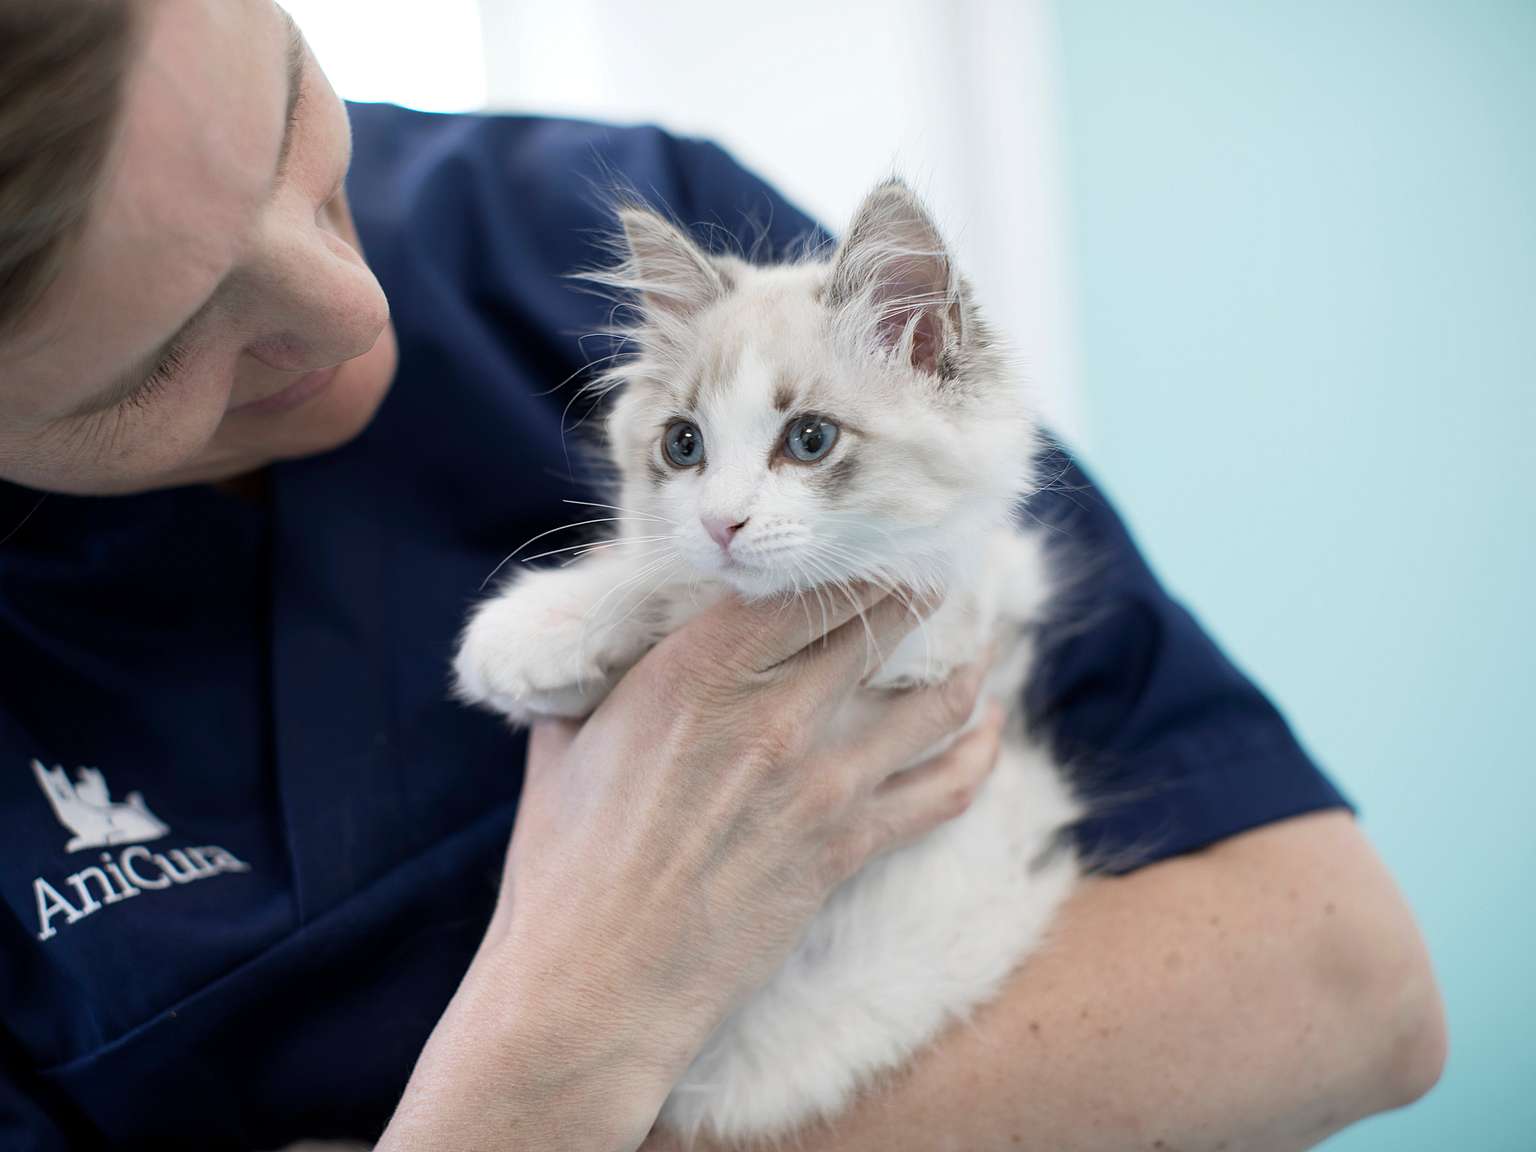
(783, 391)
(740, 420)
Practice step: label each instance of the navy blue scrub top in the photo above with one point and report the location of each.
(250, 843)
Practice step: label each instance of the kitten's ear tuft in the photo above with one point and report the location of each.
(894, 265)
(673, 276)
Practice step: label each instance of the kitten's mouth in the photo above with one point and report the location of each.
(731, 562)
(744, 574)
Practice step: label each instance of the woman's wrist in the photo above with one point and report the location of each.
(523, 1059)
(590, 1041)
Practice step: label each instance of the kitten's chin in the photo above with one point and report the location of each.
(749, 580)
(755, 583)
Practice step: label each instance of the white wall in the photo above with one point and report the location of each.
(364, 46)
(821, 98)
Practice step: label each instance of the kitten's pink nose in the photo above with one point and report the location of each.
(721, 530)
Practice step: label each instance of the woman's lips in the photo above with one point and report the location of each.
(304, 388)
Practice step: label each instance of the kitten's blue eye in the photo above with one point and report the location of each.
(810, 438)
(684, 444)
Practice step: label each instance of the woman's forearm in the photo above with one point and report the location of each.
(515, 1064)
(1256, 996)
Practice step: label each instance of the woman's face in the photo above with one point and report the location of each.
(215, 314)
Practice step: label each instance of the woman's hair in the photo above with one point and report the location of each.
(62, 64)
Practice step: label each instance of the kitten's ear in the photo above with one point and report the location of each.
(673, 276)
(893, 264)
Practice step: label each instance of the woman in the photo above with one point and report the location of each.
(254, 857)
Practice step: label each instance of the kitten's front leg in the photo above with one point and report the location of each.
(554, 641)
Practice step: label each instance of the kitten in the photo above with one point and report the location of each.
(859, 422)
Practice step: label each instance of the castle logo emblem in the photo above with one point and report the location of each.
(86, 808)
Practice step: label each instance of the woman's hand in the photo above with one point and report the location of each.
(669, 853)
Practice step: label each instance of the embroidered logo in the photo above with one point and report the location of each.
(85, 807)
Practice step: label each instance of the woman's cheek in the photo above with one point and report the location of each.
(134, 445)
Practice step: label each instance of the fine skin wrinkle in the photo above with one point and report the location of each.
(776, 429)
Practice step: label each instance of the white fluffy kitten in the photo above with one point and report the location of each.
(796, 426)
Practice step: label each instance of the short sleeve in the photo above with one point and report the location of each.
(1170, 745)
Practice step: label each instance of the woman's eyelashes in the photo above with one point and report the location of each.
(172, 361)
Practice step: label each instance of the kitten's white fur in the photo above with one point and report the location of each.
(884, 339)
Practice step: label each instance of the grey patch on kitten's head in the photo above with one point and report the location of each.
(882, 339)
(783, 393)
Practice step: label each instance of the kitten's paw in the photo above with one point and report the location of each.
(948, 639)
(530, 653)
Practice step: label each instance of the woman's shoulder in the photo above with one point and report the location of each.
(543, 189)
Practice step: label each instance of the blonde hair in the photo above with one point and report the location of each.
(62, 64)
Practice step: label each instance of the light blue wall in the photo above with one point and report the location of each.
(1305, 248)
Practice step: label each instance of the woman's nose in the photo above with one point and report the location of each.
(325, 305)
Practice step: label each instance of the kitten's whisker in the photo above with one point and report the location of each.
(836, 583)
(591, 546)
(802, 571)
(588, 366)
(869, 633)
(875, 574)
(644, 571)
(841, 552)
(620, 508)
(648, 551)
(565, 428)
(660, 580)
(799, 574)
(824, 598)
(591, 626)
(512, 554)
